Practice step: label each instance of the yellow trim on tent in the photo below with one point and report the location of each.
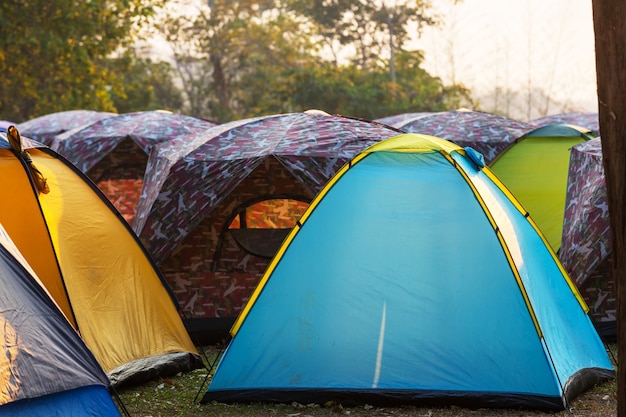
(31, 236)
(505, 247)
(519, 206)
(279, 254)
(410, 142)
(413, 142)
(416, 143)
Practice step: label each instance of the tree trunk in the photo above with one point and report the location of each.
(610, 36)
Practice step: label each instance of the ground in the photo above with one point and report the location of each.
(179, 396)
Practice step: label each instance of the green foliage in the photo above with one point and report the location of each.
(351, 91)
(366, 26)
(144, 85)
(227, 51)
(248, 58)
(53, 54)
(231, 59)
(180, 394)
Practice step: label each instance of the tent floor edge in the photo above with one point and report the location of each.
(585, 379)
(384, 398)
(209, 331)
(142, 370)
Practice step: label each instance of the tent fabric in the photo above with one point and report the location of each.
(398, 120)
(414, 277)
(44, 128)
(88, 145)
(90, 261)
(46, 368)
(194, 185)
(113, 152)
(89, 401)
(4, 124)
(292, 138)
(586, 228)
(487, 133)
(587, 120)
(535, 169)
(586, 250)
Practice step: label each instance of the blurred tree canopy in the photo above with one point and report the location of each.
(246, 58)
(54, 54)
(370, 28)
(352, 91)
(146, 85)
(229, 59)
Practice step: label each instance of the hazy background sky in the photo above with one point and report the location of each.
(505, 49)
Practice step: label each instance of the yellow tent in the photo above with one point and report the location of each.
(92, 264)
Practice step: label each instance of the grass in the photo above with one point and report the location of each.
(179, 396)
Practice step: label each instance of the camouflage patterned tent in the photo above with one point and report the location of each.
(4, 124)
(586, 245)
(217, 204)
(398, 120)
(588, 120)
(44, 128)
(113, 152)
(487, 133)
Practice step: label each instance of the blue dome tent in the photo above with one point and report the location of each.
(414, 277)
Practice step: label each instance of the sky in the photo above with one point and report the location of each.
(517, 46)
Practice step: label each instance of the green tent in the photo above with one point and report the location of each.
(534, 168)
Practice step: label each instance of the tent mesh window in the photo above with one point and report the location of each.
(260, 227)
(211, 285)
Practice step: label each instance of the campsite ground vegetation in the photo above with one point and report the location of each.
(179, 396)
